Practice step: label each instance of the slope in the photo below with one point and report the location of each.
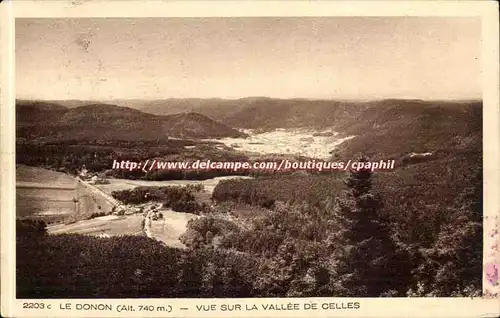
(111, 122)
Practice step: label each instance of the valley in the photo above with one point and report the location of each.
(253, 154)
(299, 142)
(251, 216)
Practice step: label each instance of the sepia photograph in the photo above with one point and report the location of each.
(241, 157)
(248, 157)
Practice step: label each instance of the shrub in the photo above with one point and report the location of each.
(96, 214)
(201, 231)
(28, 228)
(180, 199)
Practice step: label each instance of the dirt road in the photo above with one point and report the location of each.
(169, 228)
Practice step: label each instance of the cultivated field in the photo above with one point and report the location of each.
(45, 176)
(110, 225)
(44, 193)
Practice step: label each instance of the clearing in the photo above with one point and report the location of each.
(109, 225)
(44, 193)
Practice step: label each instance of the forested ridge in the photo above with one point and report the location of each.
(346, 246)
(42, 120)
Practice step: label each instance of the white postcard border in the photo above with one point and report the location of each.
(369, 307)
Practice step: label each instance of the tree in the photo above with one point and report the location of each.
(30, 229)
(453, 265)
(368, 262)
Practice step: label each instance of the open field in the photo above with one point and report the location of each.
(170, 227)
(109, 225)
(39, 175)
(44, 193)
(33, 202)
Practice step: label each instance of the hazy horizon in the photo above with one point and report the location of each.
(249, 97)
(318, 58)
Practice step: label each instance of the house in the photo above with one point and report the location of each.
(84, 173)
(98, 180)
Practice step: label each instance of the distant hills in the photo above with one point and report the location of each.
(36, 113)
(383, 128)
(269, 113)
(110, 122)
(254, 112)
(390, 128)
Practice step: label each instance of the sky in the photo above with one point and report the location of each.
(316, 57)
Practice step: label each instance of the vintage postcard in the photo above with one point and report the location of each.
(249, 158)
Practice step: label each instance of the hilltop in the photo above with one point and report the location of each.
(111, 122)
(36, 112)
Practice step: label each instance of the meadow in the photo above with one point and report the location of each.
(44, 194)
